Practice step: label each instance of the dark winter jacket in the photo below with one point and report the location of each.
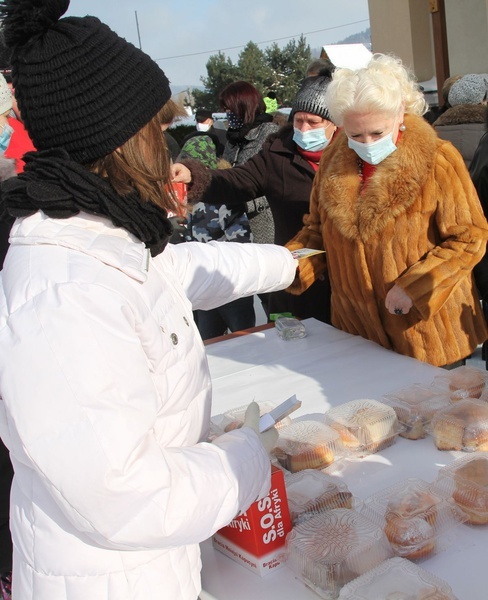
(285, 178)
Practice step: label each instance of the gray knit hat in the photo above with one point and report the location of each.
(470, 89)
(311, 96)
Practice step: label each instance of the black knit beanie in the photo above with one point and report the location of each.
(311, 96)
(79, 86)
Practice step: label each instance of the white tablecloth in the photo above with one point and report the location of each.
(325, 369)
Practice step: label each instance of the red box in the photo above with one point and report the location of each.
(256, 538)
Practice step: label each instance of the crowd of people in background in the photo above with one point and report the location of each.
(393, 191)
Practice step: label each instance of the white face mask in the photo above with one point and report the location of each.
(203, 126)
(374, 152)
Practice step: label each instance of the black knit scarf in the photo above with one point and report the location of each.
(238, 136)
(61, 188)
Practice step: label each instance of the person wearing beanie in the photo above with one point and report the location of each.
(205, 127)
(283, 171)
(395, 211)
(105, 387)
(463, 123)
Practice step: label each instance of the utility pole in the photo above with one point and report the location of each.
(138, 32)
(439, 28)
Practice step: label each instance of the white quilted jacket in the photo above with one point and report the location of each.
(106, 400)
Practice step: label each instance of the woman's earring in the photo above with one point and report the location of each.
(402, 127)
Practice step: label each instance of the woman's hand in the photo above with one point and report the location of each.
(397, 302)
(180, 173)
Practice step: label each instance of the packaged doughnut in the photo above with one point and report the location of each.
(414, 516)
(466, 480)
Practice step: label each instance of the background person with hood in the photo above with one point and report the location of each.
(283, 171)
(104, 385)
(463, 124)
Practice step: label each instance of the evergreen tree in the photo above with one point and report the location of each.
(220, 72)
(274, 69)
(252, 66)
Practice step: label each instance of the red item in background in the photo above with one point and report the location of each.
(20, 143)
(256, 538)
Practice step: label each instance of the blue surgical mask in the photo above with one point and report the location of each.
(5, 137)
(373, 152)
(312, 140)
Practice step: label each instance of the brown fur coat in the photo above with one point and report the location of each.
(418, 223)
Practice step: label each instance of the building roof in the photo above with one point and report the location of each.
(351, 56)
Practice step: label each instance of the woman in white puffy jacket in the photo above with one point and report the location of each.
(103, 376)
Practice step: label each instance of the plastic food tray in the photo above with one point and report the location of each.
(466, 481)
(415, 517)
(365, 426)
(397, 579)
(311, 492)
(331, 549)
(462, 426)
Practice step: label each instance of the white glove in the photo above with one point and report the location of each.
(251, 419)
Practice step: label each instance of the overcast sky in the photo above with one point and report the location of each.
(200, 28)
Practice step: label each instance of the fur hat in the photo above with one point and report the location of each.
(5, 96)
(311, 96)
(79, 86)
(470, 89)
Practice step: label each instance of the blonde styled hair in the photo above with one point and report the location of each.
(142, 164)
(384, 85)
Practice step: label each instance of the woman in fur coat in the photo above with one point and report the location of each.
(394, 208)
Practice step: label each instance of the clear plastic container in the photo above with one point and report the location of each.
(415, 405)
(415, 517)
(466, 480)
(331, 549)
(289, 328)
(311, 492)
(463, 382)
(397, 579)
(308, 445)
(365, 426)
(462, 426)
(234, 419)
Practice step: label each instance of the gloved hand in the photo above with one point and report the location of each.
(251, 419)
(180, 231)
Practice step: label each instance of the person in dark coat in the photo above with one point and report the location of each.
(283, 171)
